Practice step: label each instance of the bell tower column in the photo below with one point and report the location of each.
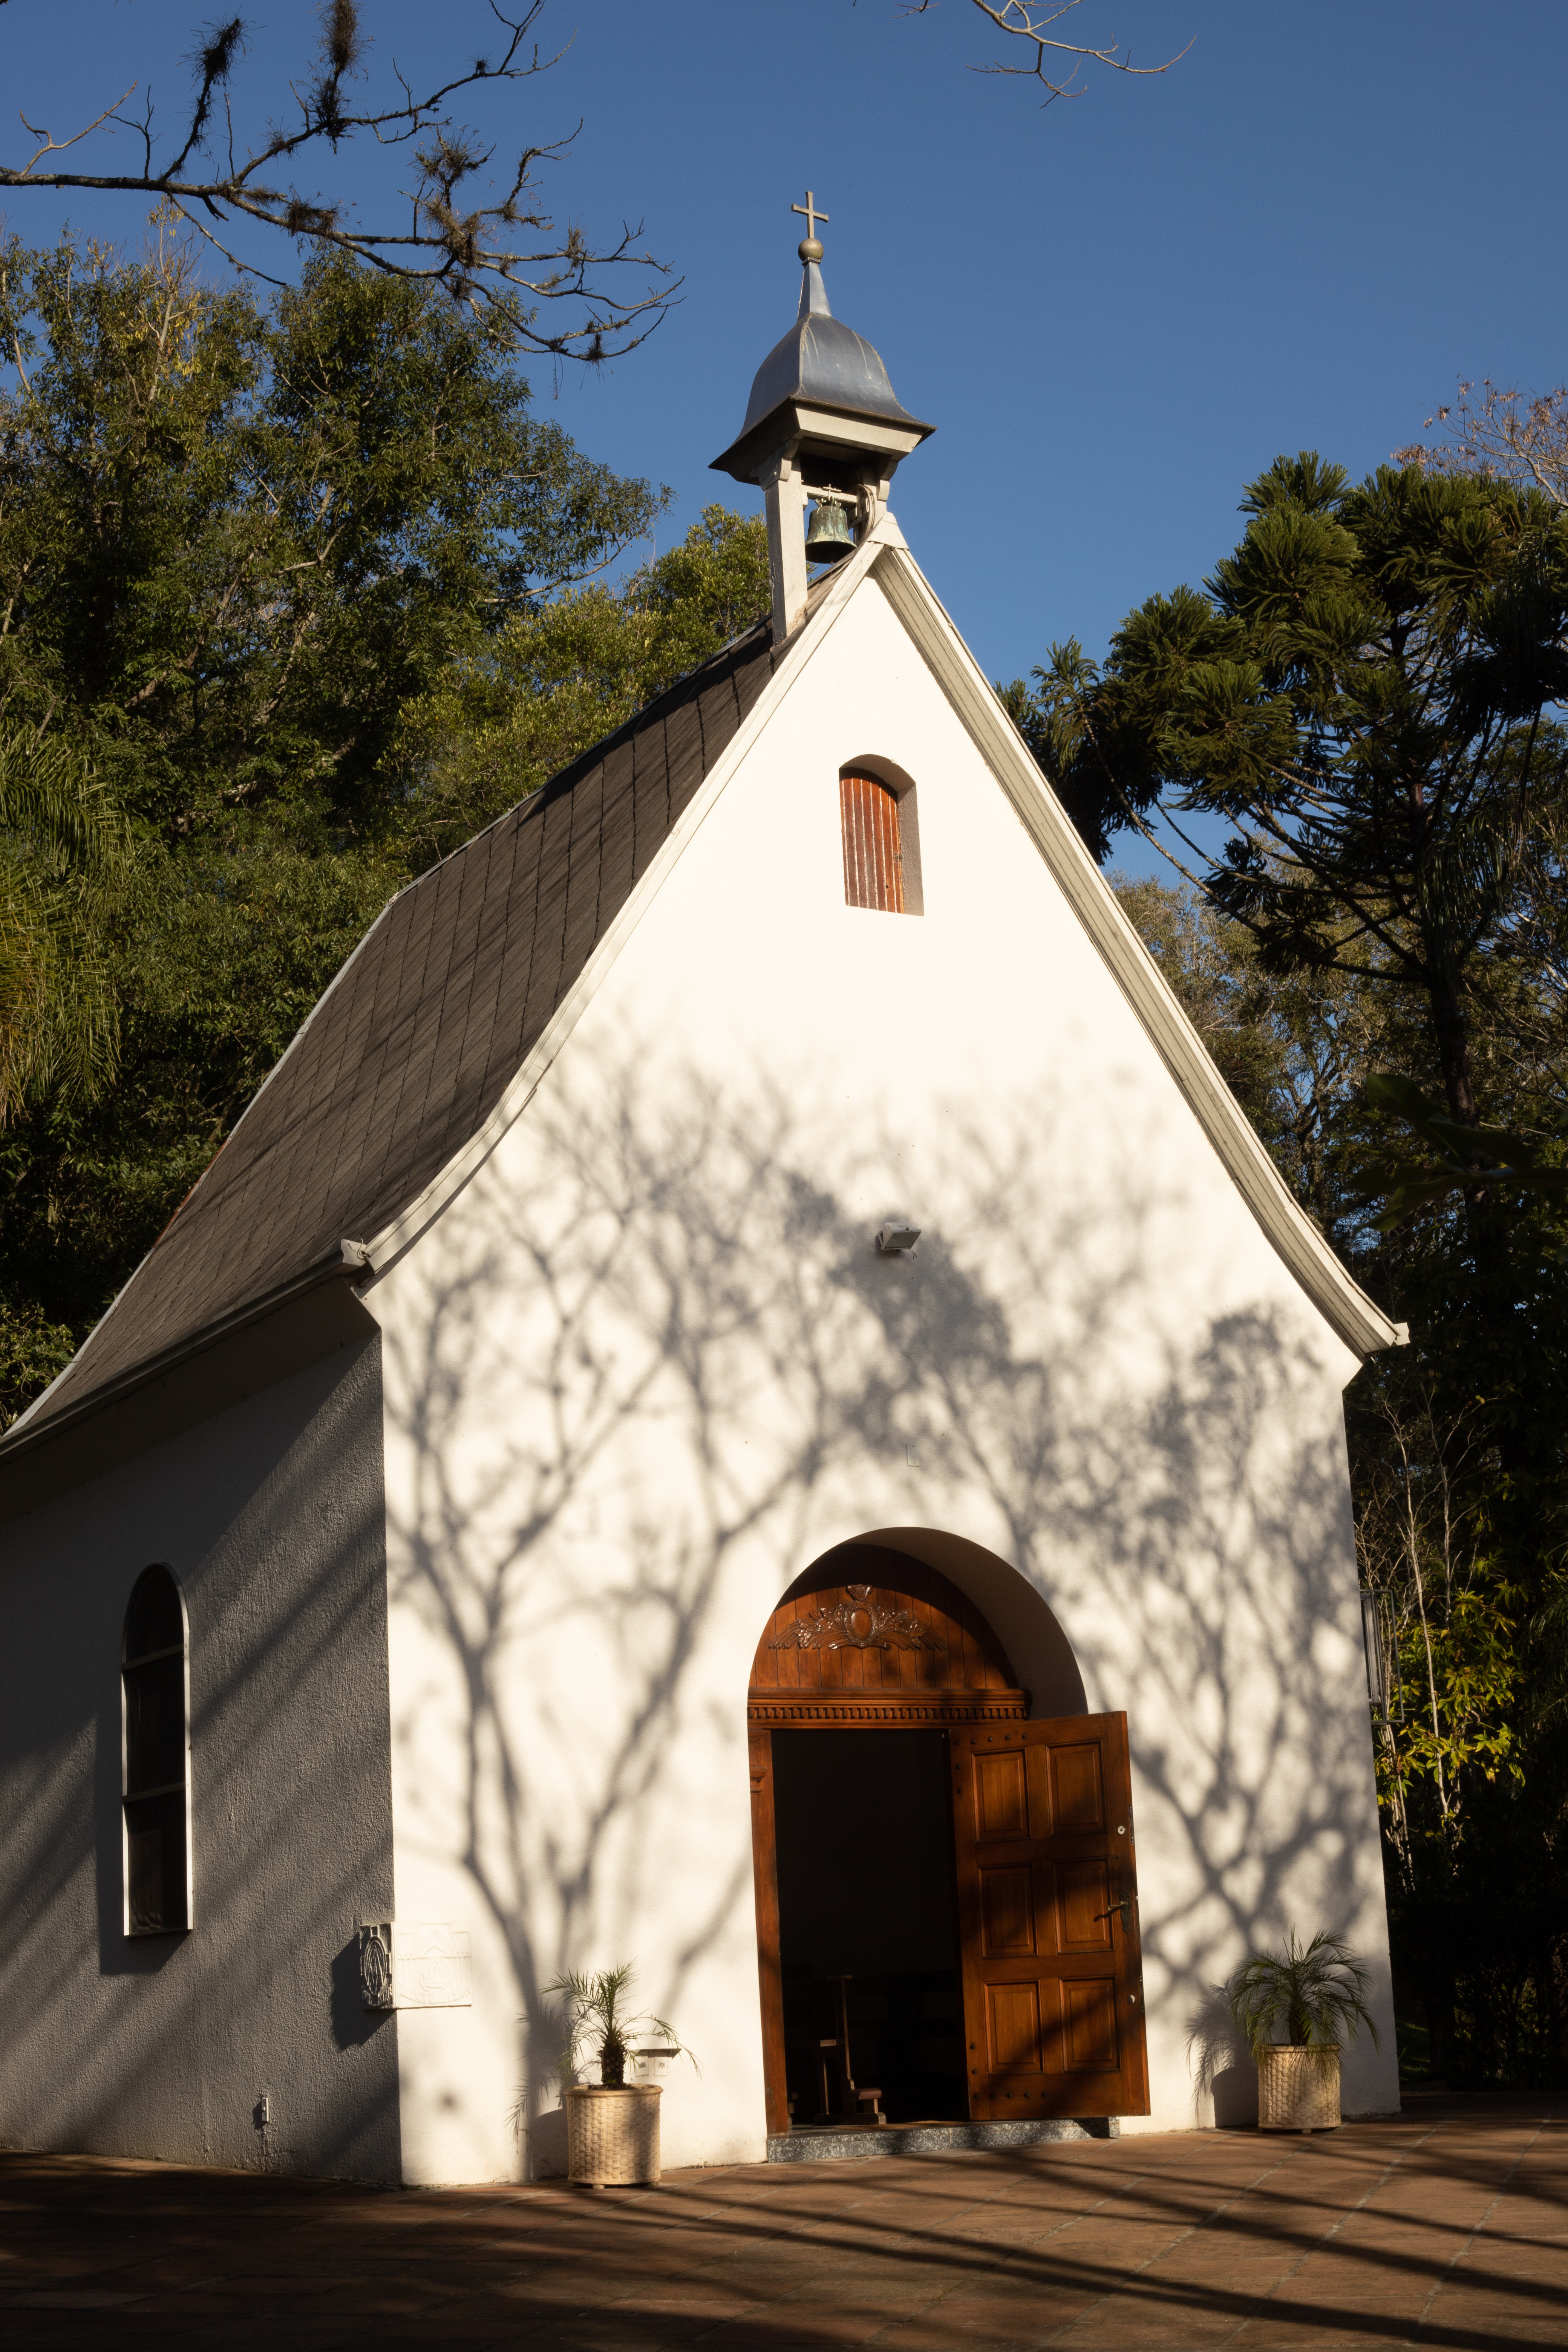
(783, 497)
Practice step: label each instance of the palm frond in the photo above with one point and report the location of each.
(592, 2013)
(1308, 1995)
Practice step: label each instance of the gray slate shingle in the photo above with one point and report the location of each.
(407, 1054)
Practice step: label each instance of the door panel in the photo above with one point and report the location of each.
(1077, 1785)
(1082, 1903)
(1091, 2022)
(1053, 1987)
(1006, 1912)
(1001, 1796)
(1014, 2028)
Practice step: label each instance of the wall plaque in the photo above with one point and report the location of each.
(414, 1964)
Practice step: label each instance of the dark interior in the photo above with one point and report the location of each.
(864, 1826)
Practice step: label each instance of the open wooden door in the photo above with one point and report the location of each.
(866, 1640)
(1047, 1901)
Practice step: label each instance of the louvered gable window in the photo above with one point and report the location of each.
(156, 1732)
(873, 843)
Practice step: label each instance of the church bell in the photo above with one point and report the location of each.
(829, 538)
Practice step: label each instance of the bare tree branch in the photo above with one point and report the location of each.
(507, 255)
(1504, 434)
(1028, 22)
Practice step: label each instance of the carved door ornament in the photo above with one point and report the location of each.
(858, 1621)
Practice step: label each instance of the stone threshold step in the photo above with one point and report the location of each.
(820, 2143)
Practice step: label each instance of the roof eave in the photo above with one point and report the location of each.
(838, 430)
(346, 1262)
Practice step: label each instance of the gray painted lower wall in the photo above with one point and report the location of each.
(272, 1516)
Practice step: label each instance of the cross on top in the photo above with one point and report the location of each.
(812, 214)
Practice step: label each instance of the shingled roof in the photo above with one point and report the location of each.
(410, 1049)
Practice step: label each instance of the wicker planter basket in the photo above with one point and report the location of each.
(1298, 2089)
(612, 2136)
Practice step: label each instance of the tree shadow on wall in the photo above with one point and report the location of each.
(657, 1355)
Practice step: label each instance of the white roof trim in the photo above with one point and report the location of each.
(1358, 1319)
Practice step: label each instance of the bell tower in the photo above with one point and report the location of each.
(822, 428)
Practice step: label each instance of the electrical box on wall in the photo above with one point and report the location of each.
(653, 2063)
(421, 1964)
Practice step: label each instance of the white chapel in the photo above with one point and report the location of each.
(743, 1399)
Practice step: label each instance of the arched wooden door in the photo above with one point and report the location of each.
(870, 1640)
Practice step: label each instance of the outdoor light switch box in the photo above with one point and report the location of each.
(653, 2065)
(423, 1964)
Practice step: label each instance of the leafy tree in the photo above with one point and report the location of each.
(232, 543)
(557, 678)
(1508, 1163)
(308, 594)
(216, 960)
(1471, 1761)
(1365, 690)
(235, 544)
(59, 844)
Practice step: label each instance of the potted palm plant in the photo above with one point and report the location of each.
(612, 2125)
(1295, 2009)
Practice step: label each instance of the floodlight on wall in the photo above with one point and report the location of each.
(896, 1239)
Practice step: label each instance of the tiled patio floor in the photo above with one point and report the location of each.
(1448, 2228)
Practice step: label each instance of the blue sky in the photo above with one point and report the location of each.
(1115, 311)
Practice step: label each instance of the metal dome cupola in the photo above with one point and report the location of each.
(823, 418)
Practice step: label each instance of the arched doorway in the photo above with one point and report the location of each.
(946, 1889)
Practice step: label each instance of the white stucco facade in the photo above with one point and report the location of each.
(647, 1365)
(633, 1363)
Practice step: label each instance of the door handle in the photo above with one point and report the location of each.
(1125, 1907)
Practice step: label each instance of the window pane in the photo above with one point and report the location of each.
(155, 1860)
(152, 1622)
(154, 1725)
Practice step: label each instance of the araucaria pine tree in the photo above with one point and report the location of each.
(1365, 690)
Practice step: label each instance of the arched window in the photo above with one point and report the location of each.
(881, 844)
(157, 1757)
